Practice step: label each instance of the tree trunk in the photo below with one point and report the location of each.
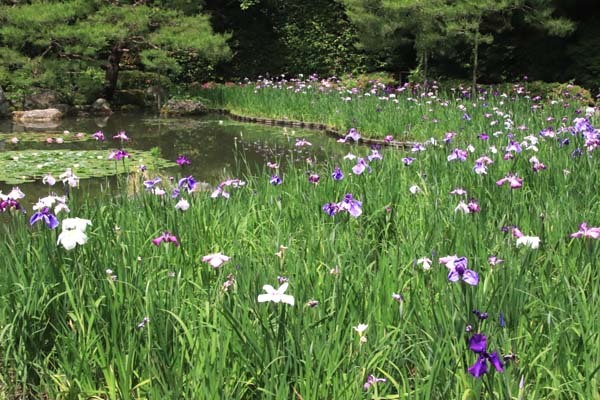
(112, 71)
(158, 92)
(475, 62)
(425, 65)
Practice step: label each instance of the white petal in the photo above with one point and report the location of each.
(282, 288)
(215, 262)
(286, 298)
(71, 238)
(264, 298)
(269, 289)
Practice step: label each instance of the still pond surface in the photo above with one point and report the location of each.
(217, 146)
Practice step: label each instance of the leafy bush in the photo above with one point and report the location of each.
(366, 80)
(135, 79)
(88, 85)
(555, 90)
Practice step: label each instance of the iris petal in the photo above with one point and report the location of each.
(479, 368)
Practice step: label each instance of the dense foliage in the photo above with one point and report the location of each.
(79, 48)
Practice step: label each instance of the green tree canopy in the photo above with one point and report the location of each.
(83, 35)
(439, 26)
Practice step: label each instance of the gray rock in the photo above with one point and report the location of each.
(101, 107)
(183, 107)
(47, 115)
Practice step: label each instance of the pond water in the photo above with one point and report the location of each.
(217, 146)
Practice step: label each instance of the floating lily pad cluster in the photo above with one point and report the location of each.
(29, 165)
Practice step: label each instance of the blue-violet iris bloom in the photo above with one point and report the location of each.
(44, 215)
(459, 271)
(337, 174)
(478, 344)
(188, 183)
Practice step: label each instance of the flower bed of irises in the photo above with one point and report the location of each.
(409, 111)
(464, 267)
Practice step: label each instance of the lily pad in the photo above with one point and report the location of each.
(31, 165)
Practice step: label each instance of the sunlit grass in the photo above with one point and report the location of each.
(119, 317)
(408, 112)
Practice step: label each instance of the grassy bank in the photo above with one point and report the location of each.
(409, 112)
(131, 313)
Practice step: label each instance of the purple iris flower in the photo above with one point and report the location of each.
(375, 155)
(478, 344)
(466, 117)
(448, 137)
(118, 155)
(514, 181)
(514, 146)
(10, 204)
(183, 160)
(352, 134)
(480, 168)
(372, 380)
(408, 160)
(275, 180)
(337, 174)
(330, 209)
(122, 136)
(585, 232)
(473, 206)
(458, 270)
(44, 215)
(548, 132)
(350, 204)
(188, 183)
(417, 147)
(360, 167)
(481, 315)
(151, 183)
(302, 142)
(458, 154)
(314, 178)
(582, 125)
(99, 136)
(166, 237)
(538, 166)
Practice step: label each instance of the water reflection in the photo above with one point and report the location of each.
(217, 146)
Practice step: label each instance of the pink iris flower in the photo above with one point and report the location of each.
(584, 231)
(514, 181)
(215, 260)
(166, 237)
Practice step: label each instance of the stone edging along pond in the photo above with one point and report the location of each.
(309, 125)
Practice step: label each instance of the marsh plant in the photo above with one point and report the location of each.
(454, 269)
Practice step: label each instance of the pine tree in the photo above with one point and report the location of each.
(384, 24)
(465, 22)
(77, 35)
